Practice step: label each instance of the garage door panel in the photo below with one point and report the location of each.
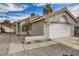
(60, 30)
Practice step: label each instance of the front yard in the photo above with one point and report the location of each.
(11, 44)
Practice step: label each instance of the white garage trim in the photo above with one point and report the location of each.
(60, 30)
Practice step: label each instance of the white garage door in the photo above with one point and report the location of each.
(60, 30)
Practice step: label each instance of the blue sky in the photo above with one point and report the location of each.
(18, 11)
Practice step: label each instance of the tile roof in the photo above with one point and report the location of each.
(38, 18)
(77, 19)
(55, 13)
(25, 19)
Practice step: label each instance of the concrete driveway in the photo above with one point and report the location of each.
(11, 44)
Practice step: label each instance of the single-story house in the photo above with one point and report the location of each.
(20, 25)
(60, 23)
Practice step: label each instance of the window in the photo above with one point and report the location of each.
(24, 27)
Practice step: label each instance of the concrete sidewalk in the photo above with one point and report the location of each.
(72, 42)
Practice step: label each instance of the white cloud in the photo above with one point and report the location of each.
(2, 14)
(12, 18)
(12, 7)
(39, 4)
(15, 18)
(2, 19)
(43, 4)
(75, 10)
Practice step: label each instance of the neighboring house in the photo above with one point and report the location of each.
(57, 24)
(2, 30)
(0, 27)
(6, 29)
(77, 27)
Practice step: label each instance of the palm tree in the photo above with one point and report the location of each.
(47, 9)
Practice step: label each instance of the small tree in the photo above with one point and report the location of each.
(33, 14)
(28, 27)
(47, 9)
(6, 23)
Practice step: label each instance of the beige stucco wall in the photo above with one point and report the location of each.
(57, 18)
(16, 28)
(37, 28)
(21, 32)
(20, 28)
(46, 29)
(50, 31)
